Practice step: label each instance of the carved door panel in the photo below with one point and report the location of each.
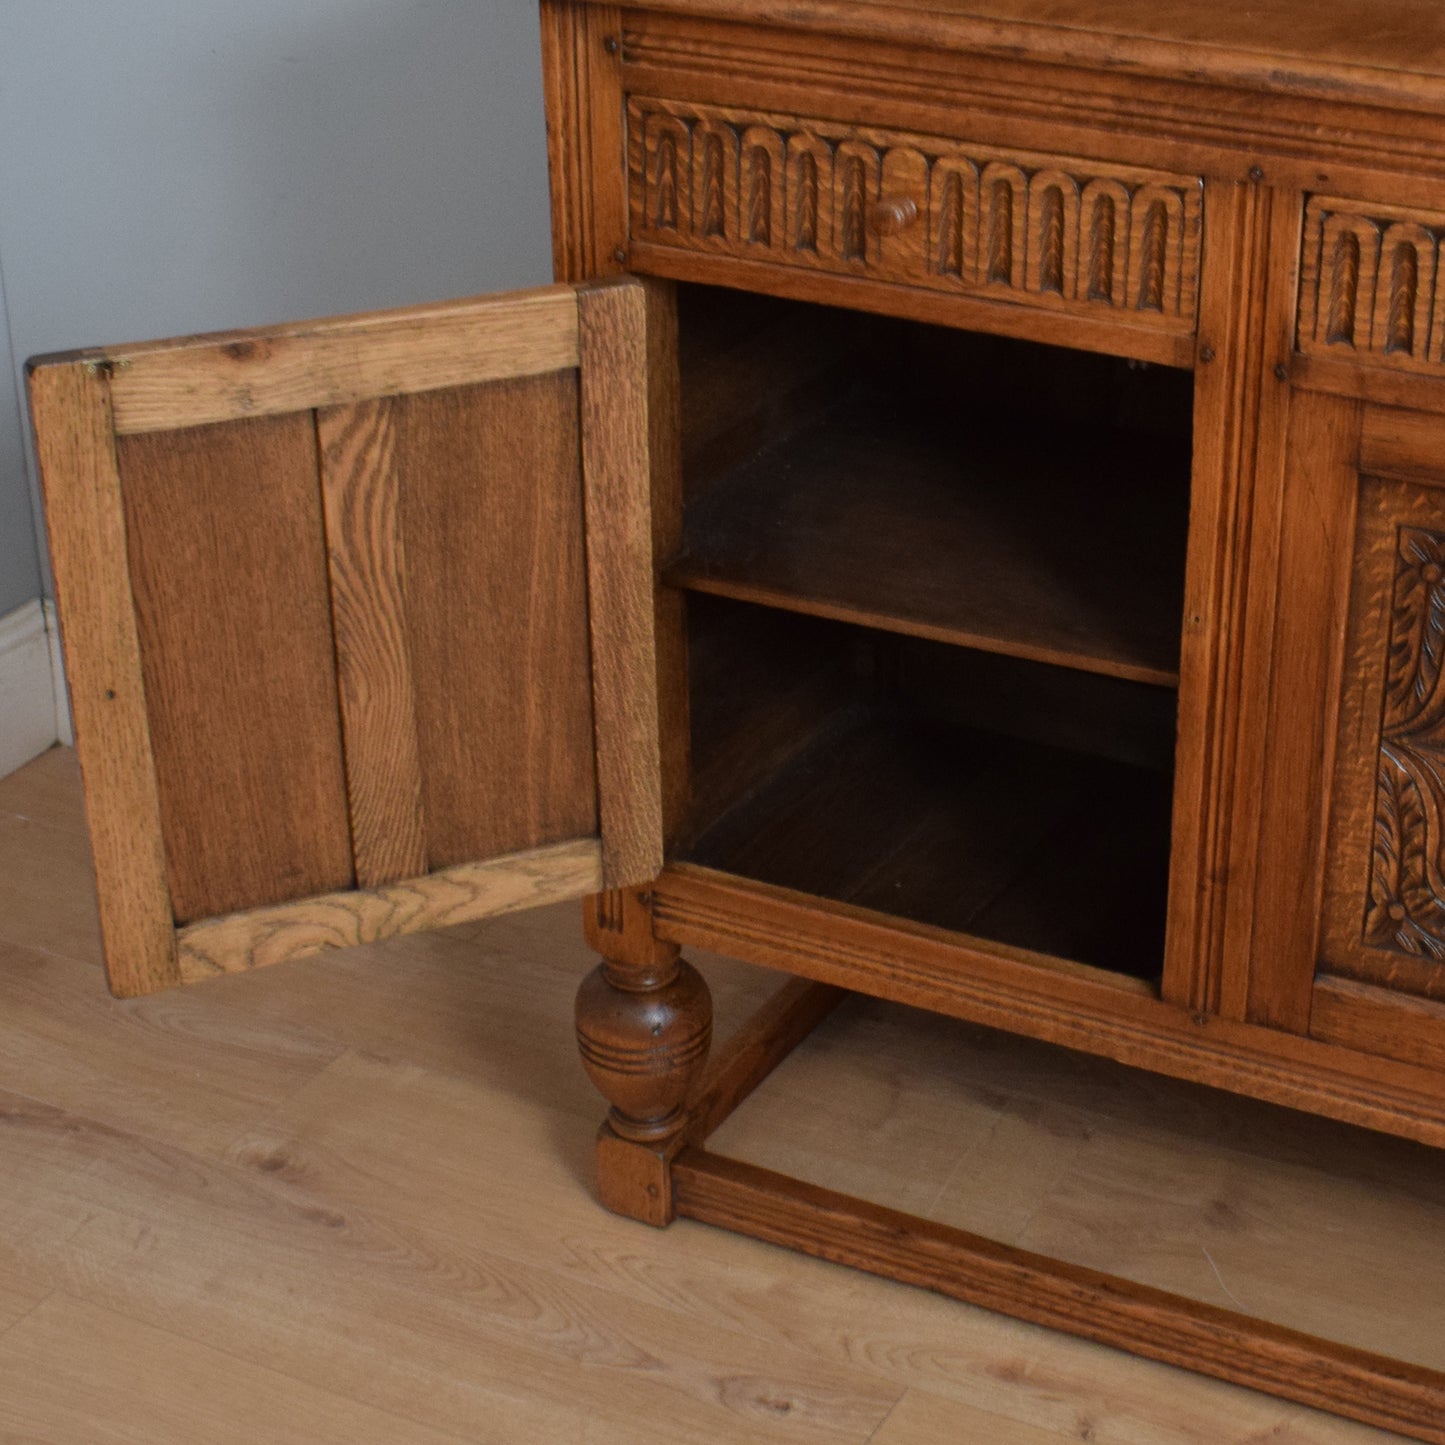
(1349, 912)
(1381, 976)
(341, 663)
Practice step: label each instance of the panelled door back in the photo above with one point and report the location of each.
(357, 623)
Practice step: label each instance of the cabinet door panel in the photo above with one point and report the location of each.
(1385, 890)
(227, 560)
(342, 664)
(496, 615)
(1349, 935)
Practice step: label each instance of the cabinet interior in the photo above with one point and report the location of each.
(934, 585)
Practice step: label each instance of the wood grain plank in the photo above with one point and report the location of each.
(1320, 502)
(915, 303)
(616, 476)
(581, 76)
(1094, 1305)
(665, 412)
(74, 1370)
(1262, 399)
(1375, 1020)
(1396, 440)
(1065, 1004)
(366, 559)
(923, 1419)
(192, 381)
(453, 895)
(63, 1040)
(1224, 436)
(228, 564)
(496, 615)
(87, 524)
(1390, 55)
(411, 1310)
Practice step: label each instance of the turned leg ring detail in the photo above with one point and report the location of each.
(644, 1035)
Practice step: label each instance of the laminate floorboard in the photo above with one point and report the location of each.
(348, 1198)
(153, 1387)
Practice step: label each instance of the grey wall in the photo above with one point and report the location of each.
(169, 166)
(19, 559)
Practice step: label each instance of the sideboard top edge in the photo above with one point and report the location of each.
(1388, 53)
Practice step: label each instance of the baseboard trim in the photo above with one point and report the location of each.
(28, 669)
(64, 730)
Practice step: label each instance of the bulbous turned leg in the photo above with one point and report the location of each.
(644, 1026)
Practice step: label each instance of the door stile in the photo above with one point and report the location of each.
(616, 475)
(75, 444)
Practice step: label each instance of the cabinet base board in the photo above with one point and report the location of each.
(1152, 1323)
(1079, 1008)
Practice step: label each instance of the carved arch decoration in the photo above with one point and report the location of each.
(1081, 236)
(1369, 285)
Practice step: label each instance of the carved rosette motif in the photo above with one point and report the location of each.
(1079, 235)
(1369, 285)
(1405, 910)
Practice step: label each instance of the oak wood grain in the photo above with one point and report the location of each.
(1228, 415)
(1392, 54)
(1378, 1020)
(228, 561)
(491, 516)
(581, 75)
(1145, 1321)
(460, 894)
(1220, 128)
(616, 471)
(86, 516)
(1111, 337)
(1318, 522)
(1078, 1007)
(192, 381)
(1251, 553)
(366, 559)
(665, 452)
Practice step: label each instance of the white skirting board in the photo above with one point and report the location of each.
(34, 710)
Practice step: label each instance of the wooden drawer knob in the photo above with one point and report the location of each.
(890, 215)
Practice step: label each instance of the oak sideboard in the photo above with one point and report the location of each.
(969, 529)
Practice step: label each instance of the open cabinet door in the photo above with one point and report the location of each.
(358, 623)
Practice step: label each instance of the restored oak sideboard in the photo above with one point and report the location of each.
(970, 529)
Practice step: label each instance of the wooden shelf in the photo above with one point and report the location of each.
(1021, 843)
(1061, 550)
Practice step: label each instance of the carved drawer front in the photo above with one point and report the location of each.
(1079, 236)
(1385, 885)
(1369, 285)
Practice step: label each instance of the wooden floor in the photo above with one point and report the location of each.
(348, 1200)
